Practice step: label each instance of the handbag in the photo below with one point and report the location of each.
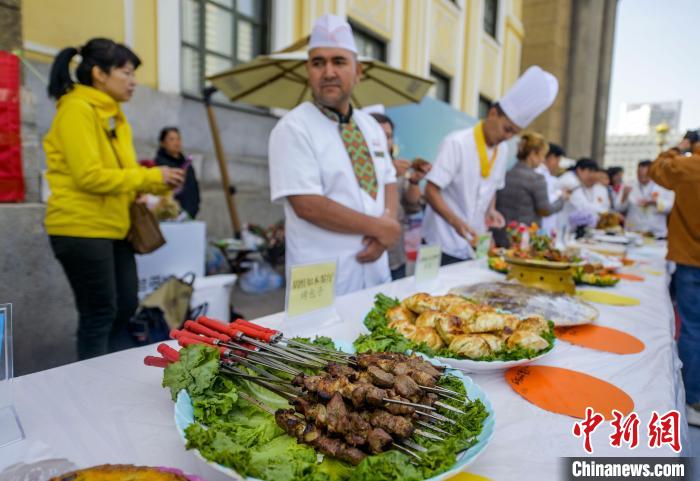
(166, 308)
(144, 231)
(144, 234)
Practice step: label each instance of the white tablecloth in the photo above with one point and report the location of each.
(112, 409)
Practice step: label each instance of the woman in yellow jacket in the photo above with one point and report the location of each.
(94, 177)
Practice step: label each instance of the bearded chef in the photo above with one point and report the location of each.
(471, 166)
(330, 167)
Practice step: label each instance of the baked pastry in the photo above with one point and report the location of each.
(119, 472)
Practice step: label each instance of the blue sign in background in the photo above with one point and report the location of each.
(420, 128)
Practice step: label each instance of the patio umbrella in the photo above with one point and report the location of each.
(279, 80)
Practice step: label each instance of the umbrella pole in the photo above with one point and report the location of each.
(229, 190)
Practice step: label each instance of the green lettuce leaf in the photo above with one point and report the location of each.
(195, 371)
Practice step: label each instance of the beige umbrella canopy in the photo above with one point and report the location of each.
(279, 81)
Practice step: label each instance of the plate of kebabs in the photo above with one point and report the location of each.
(303, 409)
(459, 332)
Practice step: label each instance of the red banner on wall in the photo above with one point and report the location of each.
(11, 178)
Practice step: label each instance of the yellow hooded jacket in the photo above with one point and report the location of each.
(92, 189)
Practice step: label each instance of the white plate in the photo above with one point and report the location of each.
(471, 366)
(184, 416)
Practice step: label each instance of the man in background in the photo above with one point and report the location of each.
(681, 174)
(408, 176)
(648, 205)
(587, 194)
(550, 170)
(330, 168)
(471, 166)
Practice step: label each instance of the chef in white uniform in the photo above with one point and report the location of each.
(549, 170)
(648, 204)
(587, 195)
(471, 166)
(330, 168)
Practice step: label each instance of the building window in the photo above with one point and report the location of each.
(368, 45)
(490, 17)
(484, 106)
(441, 89)
(219, 34)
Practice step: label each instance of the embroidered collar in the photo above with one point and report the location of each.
(334, 115)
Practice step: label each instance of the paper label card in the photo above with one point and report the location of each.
(428, 263)
(311, 287)
(483, 244)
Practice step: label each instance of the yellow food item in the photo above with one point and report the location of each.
(400, 313)
(405, 328)
(420, 302)
(430, 318)
(470, 345)
(119, 472)
(468, 329)
(448, 300)
(465, 311)
(429, 336)
(450, 326)
(512, 322)
(527, 339)
(495, 342)
(487, 322)
(536, 324)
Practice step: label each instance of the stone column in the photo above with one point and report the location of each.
(604, 76)
(10, 25)
(590, 58)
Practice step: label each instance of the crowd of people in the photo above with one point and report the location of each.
(345, 195)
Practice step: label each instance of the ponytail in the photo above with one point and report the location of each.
(98, 52)
(60, 81)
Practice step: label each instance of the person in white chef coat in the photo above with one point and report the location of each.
(330, 168)
(550, 170)
(471, 166)
(587, 194)
(648, 205)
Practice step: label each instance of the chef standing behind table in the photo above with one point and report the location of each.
(550, 169)
(471, 166)
(330, 167)
(587, 194)
(648, 205)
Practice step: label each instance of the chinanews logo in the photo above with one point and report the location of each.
(661, 430)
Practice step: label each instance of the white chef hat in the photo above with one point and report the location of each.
(531, 95)
(332, 31)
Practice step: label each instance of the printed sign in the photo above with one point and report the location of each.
(427, 264)
(483, 244)
(311, 287)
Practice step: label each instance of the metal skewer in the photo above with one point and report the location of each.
(428, 435)
(433, 427)
(448, 407)
(407, 451)
(437, 417)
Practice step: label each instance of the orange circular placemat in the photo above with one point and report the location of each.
(628, 277)
(600, 338)
(568, 392)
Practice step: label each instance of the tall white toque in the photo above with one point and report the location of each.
(332, 31)
(533, 93)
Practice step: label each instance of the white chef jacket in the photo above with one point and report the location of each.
(648, 219)
(308, 157)
(458, 174)
(549, 223)
(595, 199)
